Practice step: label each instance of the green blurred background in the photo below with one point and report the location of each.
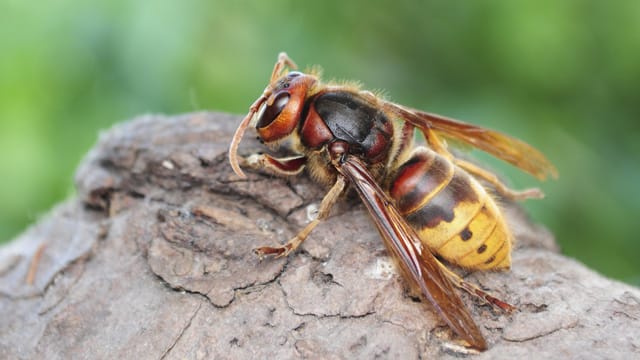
(562, 75)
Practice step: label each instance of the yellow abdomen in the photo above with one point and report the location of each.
(453, 214)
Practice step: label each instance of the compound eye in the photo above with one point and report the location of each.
(268, 114)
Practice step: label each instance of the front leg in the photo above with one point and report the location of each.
(327, 203)
(283, 166)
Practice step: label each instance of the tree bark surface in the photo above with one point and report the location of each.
(152, 258)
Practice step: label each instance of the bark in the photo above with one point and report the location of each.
(152, 259)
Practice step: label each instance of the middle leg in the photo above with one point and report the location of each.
(327, 203)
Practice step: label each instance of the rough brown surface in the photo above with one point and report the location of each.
(153, 259)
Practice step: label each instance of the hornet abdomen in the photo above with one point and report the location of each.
(454, 215)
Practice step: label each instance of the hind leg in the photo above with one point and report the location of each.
(476, 291)
(501, 188)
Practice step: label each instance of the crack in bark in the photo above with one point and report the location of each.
(625, 314)
(259, 285)
(235, 290)
(182, 331)
(69, 287)
(82, 258)
(569, 326)
(321, 316)
(304, 201)
(181, 289)
(385, 321)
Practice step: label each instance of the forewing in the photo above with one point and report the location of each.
(509, 149)
(403, 242)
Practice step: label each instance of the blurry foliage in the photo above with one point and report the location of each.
(563, 76)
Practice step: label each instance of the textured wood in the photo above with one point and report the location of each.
(152, 259)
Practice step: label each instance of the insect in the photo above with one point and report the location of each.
(426, 203)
